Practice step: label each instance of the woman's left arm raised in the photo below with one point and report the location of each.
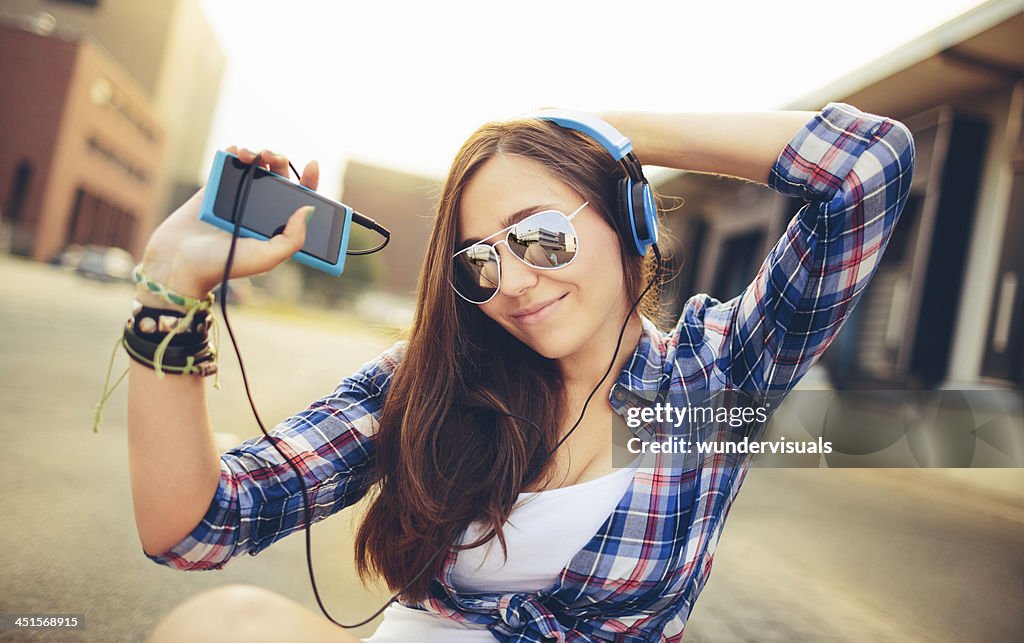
(742, 145)
(854, 171)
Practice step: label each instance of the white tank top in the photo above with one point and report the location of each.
(545, 530)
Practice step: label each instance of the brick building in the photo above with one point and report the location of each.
(81, 147)
(136, 83)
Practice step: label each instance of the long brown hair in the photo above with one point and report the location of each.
(445, 453)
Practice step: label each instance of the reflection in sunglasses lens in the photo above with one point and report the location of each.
(475, 273)
(544, 240)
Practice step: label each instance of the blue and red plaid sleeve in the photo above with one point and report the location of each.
(854, 170)
(259, 500)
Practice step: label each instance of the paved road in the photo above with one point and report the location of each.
(810, 554)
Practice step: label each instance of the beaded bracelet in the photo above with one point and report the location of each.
(156, 323)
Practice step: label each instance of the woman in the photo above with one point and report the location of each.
(451, 430)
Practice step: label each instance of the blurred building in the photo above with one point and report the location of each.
(80, 148)
(403, 203)
(160, 58)
(946, 307)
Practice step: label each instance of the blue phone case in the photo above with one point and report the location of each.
(210, 198)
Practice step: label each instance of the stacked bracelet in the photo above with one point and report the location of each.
(186, 352)
(169, 340)
(165, 340)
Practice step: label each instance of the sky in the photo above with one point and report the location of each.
(402, 84)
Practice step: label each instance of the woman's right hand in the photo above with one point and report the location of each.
(187, 255)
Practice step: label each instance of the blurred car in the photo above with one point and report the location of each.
(69, 258)
(105, 263)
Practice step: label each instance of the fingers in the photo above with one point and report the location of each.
(244, 154)
(294, 236)
(278, 164)
(255, 256)
(311, 175)
(269, 160)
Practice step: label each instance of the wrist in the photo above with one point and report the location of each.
(147, 298)
(158, 285)
(167, 273)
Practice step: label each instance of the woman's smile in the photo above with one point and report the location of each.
(537, 313)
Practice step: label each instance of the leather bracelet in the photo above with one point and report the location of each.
(202, 366)
(171, 340)
(174, 354)
(185, 353)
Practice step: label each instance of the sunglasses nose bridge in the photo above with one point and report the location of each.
(508, 248)
(516, 274)
(502, 263)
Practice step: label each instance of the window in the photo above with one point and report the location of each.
(19, 190)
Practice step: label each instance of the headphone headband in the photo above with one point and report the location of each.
(596, 128)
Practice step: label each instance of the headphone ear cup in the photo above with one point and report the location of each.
(640, 220)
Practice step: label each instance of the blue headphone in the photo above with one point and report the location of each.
(637, 210)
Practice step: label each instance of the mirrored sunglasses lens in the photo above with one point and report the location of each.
(545, 240)
(475, 273)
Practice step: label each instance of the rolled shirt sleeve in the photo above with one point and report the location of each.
(259, 500)
(854, 171)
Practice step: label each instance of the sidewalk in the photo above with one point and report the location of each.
(864, 555)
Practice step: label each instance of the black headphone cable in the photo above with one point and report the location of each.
(241, 197)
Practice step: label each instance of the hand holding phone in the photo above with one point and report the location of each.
(264, 212)
(187, 255)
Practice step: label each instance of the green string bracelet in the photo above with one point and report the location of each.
(168, 295)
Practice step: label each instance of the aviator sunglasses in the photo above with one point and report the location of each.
(545, 240)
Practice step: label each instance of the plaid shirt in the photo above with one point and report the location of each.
(638, 577)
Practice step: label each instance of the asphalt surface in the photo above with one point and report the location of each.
(838, 555)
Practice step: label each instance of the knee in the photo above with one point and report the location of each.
(225, 613)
